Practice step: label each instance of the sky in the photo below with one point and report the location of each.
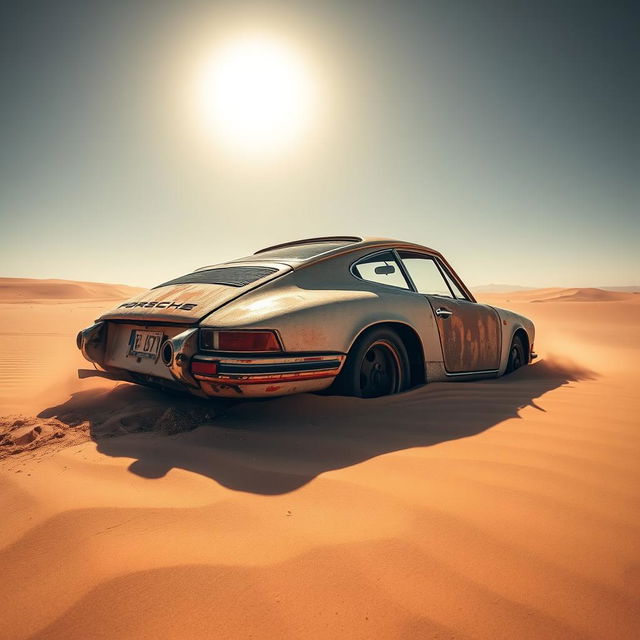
(505, 134)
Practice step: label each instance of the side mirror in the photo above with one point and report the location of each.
(385, 270)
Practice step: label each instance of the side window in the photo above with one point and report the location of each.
(425, 275)
(382, 268)
(454, 287)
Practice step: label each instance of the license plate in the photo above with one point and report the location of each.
(145, 344)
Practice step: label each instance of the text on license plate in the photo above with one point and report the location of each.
(145, 344)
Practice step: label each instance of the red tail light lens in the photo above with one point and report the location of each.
(239, 340)
(202, 368)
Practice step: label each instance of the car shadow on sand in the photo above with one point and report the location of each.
(275, 446)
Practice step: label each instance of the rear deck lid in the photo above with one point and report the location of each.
(189, 298)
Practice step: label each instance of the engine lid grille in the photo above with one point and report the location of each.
(229, 276)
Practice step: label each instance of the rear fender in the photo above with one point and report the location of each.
(92, 342)
(183, 348)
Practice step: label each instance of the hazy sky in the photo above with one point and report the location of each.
(504, 134)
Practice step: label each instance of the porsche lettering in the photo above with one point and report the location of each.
(178, 306)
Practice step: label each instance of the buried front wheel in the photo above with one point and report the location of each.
(517, 357)
(377, 365)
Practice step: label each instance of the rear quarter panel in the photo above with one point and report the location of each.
(323, 307)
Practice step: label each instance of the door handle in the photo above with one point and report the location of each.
(443, 313)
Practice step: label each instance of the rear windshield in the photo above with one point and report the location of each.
(298, 251)
(229, 276)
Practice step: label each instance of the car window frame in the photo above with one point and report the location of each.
(445, 274)
(410, 286)
(415, 288)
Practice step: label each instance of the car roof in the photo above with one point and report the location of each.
(343, 244)
(350, 242)
(346, 239)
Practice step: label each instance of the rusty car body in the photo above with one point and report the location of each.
(358, 316)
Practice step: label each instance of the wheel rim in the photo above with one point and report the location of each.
(379, 371)
(516, 358)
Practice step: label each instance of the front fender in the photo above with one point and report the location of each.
(511, 322)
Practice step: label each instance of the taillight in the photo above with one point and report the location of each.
(213, 340)
(204, 368)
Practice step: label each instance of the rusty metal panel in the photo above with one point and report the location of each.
(470, 337)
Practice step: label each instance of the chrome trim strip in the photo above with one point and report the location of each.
(289, 367)
(258, 360)
(267, 378)
(470, 373)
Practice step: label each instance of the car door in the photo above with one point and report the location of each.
(470, 332)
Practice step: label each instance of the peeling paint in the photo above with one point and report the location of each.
(470, 338)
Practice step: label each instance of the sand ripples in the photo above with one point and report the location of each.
(498, 509)
(528, 529)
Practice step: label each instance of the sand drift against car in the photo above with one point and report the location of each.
(365, 317)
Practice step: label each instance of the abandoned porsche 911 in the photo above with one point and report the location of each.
(360, 317)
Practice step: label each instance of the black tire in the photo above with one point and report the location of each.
(517, 355)
(377, 365)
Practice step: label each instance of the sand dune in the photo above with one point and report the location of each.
(559, 294)
(498, 288)
(28, 289)
(496, 509)
(587, 295)
(510, 288)
(39, 359)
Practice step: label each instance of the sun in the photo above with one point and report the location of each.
(256, 95)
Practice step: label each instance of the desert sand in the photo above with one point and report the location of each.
(495, 509)
(34, 290)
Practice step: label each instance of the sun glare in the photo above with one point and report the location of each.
(256, 95)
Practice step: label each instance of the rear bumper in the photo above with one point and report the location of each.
(250, 377)
(181, 365)
(266, 376)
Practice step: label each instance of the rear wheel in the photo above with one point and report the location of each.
(377, 365)
(517, 357)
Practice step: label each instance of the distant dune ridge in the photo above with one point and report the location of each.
(587, 295)
(499, 288)
(24, 289)
(512, 288)
(559, 294)
(33, 289)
